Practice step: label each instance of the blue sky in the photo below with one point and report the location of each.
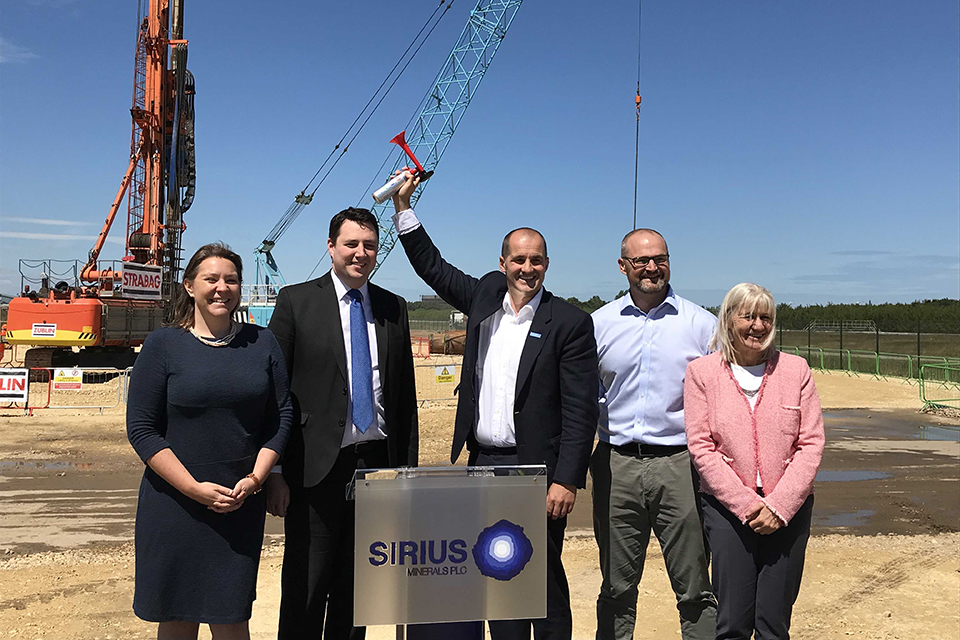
(812, 147)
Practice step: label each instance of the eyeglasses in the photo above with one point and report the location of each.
(642, 261)
(752, 317)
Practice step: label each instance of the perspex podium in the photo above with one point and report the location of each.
(450, 544)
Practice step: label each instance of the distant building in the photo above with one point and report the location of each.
(433, 302)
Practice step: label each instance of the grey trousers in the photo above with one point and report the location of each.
(632, 495)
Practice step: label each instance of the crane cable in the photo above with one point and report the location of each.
(448, 3)
(636, 152)
(303, 198)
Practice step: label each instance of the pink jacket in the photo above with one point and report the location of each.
(782, 436)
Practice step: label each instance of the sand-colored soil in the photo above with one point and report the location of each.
(68, 489)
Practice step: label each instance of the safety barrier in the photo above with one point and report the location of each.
(420, 348)
(880, 365)
(438, 382)
(937, 376)
(98, 388)
(940, 385)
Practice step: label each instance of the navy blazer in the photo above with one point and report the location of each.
(555, 408)
(306, 322)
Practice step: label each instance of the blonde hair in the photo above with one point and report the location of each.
(745, 297)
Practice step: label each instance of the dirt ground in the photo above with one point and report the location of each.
(883, 562)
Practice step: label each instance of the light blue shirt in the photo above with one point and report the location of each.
(643, 359)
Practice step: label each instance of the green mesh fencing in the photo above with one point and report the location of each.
(940, 385)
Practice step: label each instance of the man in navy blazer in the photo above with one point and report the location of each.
(529, 387)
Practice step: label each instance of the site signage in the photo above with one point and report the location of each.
(436, 548)
(43, 330)
(67, 379)
(14, 385)
(142, 281)
(445, 373)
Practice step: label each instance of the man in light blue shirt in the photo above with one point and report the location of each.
(642, 476)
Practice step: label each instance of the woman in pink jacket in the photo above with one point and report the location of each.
(755, 434)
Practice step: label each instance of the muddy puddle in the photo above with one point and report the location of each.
(881, 473)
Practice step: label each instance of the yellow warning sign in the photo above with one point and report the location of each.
(67, 379)
(446, 373)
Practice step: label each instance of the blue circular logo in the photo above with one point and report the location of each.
(502, 550)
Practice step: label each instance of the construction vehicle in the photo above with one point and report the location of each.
(105, 308)
(428, 134)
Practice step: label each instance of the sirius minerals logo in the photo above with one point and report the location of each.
(501, 552)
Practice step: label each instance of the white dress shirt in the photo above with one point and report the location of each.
(502, 336)
(354, 435)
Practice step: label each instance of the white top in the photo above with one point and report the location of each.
(750, 378)
(502, 337)
(353, 435)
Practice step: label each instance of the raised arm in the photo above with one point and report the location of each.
(450, 283)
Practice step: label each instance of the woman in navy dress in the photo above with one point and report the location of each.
(209, 412)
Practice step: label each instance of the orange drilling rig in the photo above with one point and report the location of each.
(108, 307)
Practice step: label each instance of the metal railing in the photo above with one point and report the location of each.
(940, 385)
(871, 363)
(98, 388)
(258, 294)
(429, 325)
(433, 385)
(938, 377)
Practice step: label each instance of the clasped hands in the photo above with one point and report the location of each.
(221, 499)
(762, 520)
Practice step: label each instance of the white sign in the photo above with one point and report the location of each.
(141, 281)
(14, 385)
(445, 373)
(67, 379)
(436, 548)
(43, 330)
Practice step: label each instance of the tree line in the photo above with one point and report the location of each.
(927, 316)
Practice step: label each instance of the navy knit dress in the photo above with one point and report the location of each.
(215, 408)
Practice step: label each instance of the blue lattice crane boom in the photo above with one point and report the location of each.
(268, 273)
(428, 135)
(443, 106)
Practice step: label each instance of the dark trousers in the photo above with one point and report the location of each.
(558, 625)
(317, 578)
(756, 578)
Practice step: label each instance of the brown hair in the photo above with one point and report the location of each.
(184, 306)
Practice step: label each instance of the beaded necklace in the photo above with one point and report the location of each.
(219, 342)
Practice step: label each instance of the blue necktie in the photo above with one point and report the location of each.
(362, 371)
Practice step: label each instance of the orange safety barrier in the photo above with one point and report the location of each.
(420, 348)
